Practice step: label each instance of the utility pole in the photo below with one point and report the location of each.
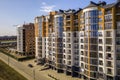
(8, 60)
(34, 74)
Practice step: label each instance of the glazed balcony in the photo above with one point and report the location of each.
(117, 42)
(118, 56)
(118, 65)
(118, 50)
(76, 53)
(76, 41)
(76, 58)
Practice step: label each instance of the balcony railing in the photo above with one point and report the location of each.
(108, 35)
(109, 58)
(109, 72)
(109, 65)
(108, 50)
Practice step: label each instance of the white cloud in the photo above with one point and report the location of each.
(46, 8)
(43, 3)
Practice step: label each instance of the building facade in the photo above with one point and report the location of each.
(83, 43)
(26, 39)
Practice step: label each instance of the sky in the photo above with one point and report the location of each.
(17, 12)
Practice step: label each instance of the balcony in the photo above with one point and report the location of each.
(69, 58)
(93, 68)
(68, 18)
(117, 35)
(108, 49)
(76, 53)
(76, 64)
(68, 46)
(108, 35)
(109, 58)
(117, 42)
(109, 41)
(76, 58)
(109, 71)
(108, 25)
(118, 71)
(76, 47)
(100, 35)
(76, 41)
(118, 50)
(68, 29)
(118, 57)
(109, 64)
(118, 65)
(93, 61)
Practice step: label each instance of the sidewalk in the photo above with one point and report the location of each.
(34, 73)
(59, 76)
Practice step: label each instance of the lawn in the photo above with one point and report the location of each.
(8, 73)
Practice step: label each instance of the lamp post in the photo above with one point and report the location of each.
(8, 60)
(34, 73)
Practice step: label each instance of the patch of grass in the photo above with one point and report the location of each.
(22, 58)
(8, 73)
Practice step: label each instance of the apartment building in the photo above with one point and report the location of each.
(83, 42)
(26, 39)
(98, 47)
(71, 42)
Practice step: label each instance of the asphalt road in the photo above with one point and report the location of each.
(29, 73)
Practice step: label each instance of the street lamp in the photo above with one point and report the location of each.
(8, 60)
(34, 73)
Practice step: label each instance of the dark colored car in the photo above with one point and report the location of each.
(30, 65)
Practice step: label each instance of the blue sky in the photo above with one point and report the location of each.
(14, 12)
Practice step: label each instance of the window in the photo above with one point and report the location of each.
(109, 71)
(100, 48)
(100, 69)
(100, 19)
(100, 55)
(100, 12)
(100, 41)
(108, 25)
(100, 62)
(69, 62)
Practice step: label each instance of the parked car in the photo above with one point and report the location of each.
(30, 65)
(35, 60)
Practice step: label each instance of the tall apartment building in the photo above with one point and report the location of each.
(82, 42)
(71, 43)
(43, 29)
(98, 35)
(26, 39)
